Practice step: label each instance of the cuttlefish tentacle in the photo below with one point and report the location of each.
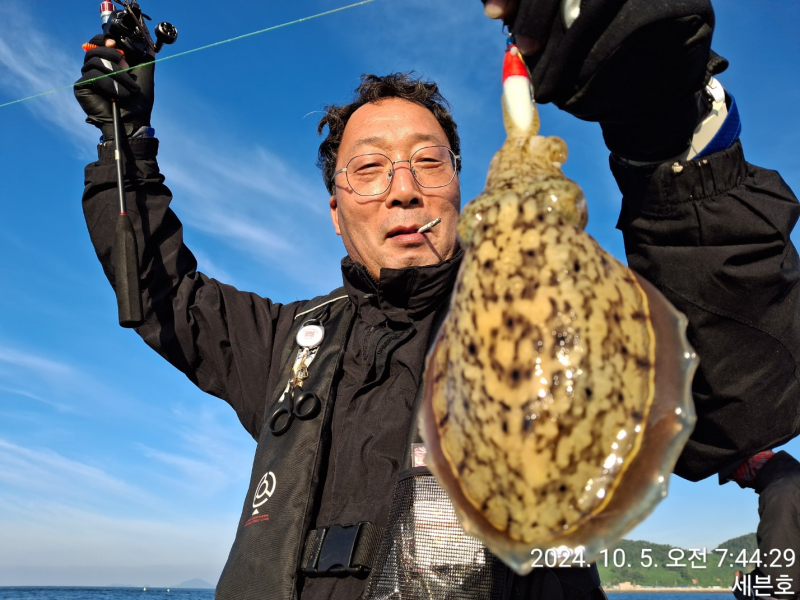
(542, 391)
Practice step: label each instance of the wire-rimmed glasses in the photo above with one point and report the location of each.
(371, 174)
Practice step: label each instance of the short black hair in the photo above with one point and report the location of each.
(372, 89)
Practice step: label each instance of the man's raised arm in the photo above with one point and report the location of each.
(208, 330)
(708, 229)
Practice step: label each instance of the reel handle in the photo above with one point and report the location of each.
(166, 33)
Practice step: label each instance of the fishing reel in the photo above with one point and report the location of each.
(127, 26)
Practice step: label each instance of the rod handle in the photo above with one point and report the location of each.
(126, 273)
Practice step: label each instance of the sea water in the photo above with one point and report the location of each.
(97, 593)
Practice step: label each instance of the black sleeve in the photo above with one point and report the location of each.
(222, 339)
(713, 235)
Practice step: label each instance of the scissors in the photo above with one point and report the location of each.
(301, 405)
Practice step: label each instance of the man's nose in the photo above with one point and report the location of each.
(404, 190)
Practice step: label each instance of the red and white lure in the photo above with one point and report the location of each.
(517, 89)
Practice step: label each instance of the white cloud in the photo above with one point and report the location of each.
(253, 201)
(210, 456)
(52, 478)
(201, 473)
(66, 522)
(40, 365)
(212, 268)
(31, 63)
(249, 198)
(29, 395)
(263, 172)
(244, 197)
(107, 550)
(57, 383)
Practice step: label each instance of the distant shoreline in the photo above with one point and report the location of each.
(671, 590)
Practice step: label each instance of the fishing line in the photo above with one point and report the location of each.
(206, 47)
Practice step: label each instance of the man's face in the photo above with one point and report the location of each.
(380, 231)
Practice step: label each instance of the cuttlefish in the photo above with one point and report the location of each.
(557, 394)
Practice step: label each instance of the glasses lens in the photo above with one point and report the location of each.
(369, 174)
(434, 166)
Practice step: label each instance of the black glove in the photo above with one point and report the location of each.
(133, 90)
(638, 67)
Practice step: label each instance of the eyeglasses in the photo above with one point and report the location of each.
(371, 174)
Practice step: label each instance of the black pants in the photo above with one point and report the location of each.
(778, 488)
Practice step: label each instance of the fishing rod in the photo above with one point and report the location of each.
(200, 48)
(128, 29)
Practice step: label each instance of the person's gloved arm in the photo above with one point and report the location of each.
(637, 67)
(210, 331)
(713, 233)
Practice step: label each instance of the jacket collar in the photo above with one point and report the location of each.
(401, 294)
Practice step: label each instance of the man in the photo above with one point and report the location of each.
(337, 506)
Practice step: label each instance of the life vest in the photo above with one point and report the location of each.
(422, 553)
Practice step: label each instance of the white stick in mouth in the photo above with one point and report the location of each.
(429, 226)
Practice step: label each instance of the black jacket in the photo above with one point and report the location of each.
(713, 236)
(232, 344)
(339, 468)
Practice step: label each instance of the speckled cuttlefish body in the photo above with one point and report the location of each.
(557, 394)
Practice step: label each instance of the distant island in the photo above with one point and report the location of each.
(634, 565)
(197, 584)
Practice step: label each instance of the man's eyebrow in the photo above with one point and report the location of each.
(372, 140)
(376, 140)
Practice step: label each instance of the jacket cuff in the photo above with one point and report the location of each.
(780, 465)
(655, 189)
(134, 150)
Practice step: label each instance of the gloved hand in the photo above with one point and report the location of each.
(133, 90)
(638, 67)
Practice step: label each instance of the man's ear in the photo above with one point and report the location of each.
(335, 215)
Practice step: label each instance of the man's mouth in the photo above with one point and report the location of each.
(404, 230)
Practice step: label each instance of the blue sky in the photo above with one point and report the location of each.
(114, 469)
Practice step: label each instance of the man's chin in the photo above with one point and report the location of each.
(423, 258)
